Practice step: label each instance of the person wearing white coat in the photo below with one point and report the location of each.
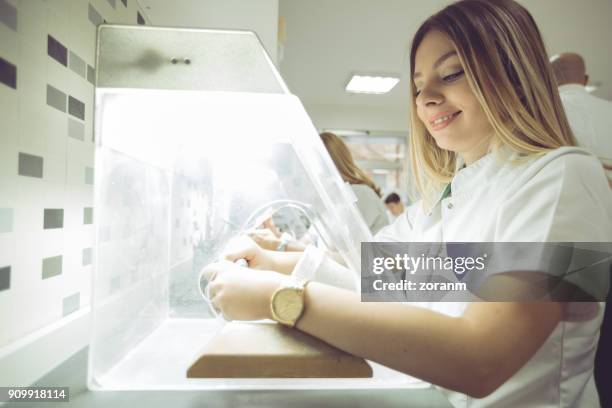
(589, 116)
(539, 201)
(495, 160)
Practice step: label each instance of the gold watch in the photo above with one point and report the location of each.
(287, 302)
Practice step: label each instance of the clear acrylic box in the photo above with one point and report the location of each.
(213, 144)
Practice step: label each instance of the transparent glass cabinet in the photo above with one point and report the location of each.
(197, 140)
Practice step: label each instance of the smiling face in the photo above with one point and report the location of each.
(445, 102)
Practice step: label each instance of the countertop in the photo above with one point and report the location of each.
(73, 372)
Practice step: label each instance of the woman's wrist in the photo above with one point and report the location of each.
(283, 262)
(268, 292)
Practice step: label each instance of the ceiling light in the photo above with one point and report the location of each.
(371, 84)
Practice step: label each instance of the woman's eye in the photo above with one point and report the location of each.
(452, 77)
(417, 92)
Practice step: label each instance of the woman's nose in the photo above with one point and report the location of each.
(429, 97)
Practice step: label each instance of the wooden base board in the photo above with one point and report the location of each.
(271, 350)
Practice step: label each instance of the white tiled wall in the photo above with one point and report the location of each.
(28, 124)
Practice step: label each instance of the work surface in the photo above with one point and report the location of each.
(72, 373)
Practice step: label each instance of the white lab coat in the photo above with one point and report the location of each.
(590, 118)
(562, 196)
(371, 207)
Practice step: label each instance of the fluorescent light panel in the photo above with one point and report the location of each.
(371, 84)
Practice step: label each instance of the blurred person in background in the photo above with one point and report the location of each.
(368, 193)
(394, 204)
(590, 117)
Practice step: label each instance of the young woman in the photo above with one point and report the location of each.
(367, 192)
(489, 131)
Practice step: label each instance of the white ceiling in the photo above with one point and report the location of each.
(328, 40)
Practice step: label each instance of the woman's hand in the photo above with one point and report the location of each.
(256, 257)
(241, 294)
(244, 247)
(265, 238)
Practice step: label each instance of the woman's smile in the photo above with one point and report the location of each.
(442, 120)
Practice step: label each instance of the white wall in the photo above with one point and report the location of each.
(46, 165)
(358, 118)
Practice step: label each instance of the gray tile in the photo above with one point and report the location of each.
(57, 50)
(8, 15)
(76, 108)
(88, 215)
(94, 16)
(76, 129)
(54, 218)
(77, 65)
(56, 98)
(91, 74)
(6, 220)
(113, 3)
(51, 266)
(71, 304)
(8, 73)
(87, 256)
(89, 175)
(30, 165)
(5, 278)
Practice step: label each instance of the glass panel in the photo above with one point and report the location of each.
(178, 174)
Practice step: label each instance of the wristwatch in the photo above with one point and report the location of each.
(287, 302)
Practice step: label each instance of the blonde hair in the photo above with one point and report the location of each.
(506, 65)
(343, 159)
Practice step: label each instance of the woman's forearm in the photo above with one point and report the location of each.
(284, 262)
(406, 338)
(409, 339)
(474, 353)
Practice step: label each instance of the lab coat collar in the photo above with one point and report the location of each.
(482, 171)
(479, 173)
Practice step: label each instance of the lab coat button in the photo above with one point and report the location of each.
(449, 206)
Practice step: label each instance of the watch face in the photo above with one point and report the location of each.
(288, 304)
